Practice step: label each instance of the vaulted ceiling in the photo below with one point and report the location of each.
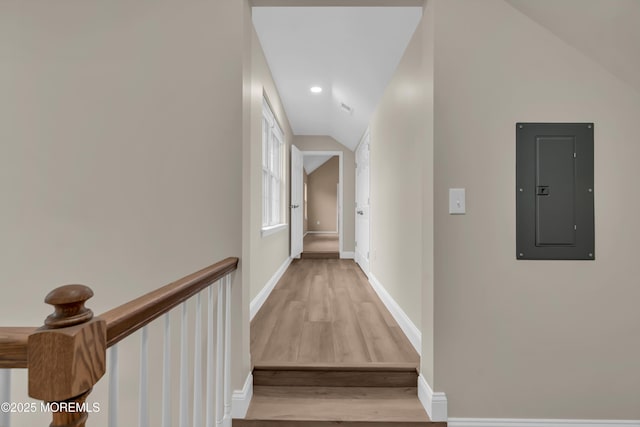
(350, 52)
(607, 31)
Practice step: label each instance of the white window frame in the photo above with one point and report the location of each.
(273, 176)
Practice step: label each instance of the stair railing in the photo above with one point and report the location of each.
(67, 356)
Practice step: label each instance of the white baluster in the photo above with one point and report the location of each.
(184, 380)
(166, 373)
(5, 396)
(197, 367)
(219, 357)
(113, 386)
(227, 351)
(143, 418)
(209, 420)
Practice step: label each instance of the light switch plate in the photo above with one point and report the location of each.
(457, 204)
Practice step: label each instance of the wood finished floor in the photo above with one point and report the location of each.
(320, 243)
(325, 312)
(337, 404)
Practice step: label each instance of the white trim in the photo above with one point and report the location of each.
(321, 232)
(273, 229)
(305, 234)
(347, 255)
(262, 296)
(408, 327)
(364, 136)
(241, 398)
(435, 403)
(364, 263)
(524, 422)
(340, 155)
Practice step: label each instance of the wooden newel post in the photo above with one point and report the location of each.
(66, 356)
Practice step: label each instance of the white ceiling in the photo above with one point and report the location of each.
(607, 31)
(312, 162)
(351, 52)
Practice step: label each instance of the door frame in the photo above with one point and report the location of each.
(340, 190)
(366, 136)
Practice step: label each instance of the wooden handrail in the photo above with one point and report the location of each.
(124, 320)
(13, 347)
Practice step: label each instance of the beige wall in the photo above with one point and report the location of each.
(268, 252)
(398, 135)
(327, 143)
(427, 29)
(120, 161)
(323, 196)
(539, 339)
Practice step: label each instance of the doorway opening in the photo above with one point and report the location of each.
(320, 198)
(321, 204)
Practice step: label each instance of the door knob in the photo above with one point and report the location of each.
(293, 206)
(360, 212)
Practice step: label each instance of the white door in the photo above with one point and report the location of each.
(362, 205)
(296, 202)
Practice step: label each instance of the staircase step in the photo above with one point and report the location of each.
(319, 375)
(327, 406)
(238, 422)
(320, 255)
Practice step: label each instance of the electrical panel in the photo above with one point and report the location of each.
(554, 191)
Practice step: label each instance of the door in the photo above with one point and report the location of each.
(296, 202)
(362, 205)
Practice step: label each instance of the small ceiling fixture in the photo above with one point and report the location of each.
(347, 109)
(316, 89)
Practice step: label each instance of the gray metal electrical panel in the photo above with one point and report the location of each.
(554, 191)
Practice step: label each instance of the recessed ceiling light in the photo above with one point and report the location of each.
(316, 89)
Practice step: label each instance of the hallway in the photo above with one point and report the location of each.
(324, 311)
(326, 350)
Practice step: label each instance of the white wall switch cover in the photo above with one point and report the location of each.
(457, 205)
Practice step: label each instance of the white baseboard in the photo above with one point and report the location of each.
(257, 302)
(322, 232)
(525, 422)
(407, 326)
(434, 403)
(241, 398)
(347, 255)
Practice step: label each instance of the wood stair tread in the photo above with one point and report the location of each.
(315, 423)
(334, 404)
(320, 255)
(321, 366)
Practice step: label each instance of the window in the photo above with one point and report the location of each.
(272, 170)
